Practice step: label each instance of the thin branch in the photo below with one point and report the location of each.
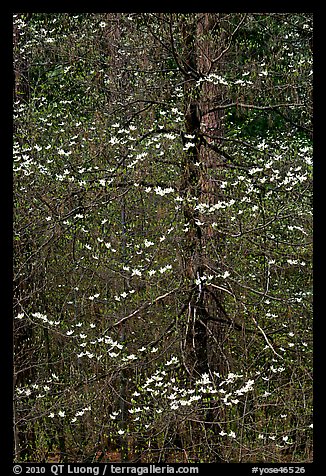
(230, 42)
(174, 53)
(141, 308)
(220, 288)
(295, 124)
(260, 293)
(252, 106)
(265, 337)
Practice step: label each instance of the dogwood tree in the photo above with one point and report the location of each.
(162, 236)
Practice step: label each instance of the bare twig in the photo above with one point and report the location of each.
(141, 308)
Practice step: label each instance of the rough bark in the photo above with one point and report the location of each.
(199, 185)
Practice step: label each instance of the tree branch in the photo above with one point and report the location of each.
(230, 42)
(252, 106)
(141, 308)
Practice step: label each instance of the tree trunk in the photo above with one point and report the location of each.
(199, 186)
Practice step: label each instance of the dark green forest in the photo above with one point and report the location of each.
(162, 237)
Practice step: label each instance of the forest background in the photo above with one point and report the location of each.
(163, 237)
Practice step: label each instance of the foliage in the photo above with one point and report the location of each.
(127, 222)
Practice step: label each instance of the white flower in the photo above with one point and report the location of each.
(174, 360)
(38, 315)
(172, 396)
(63, 152)
(61, 414)
(162, 192)
(199, 223)
(51, 415)
(102, 24)
(136, 272)
(165, 268)
(246, 388)
(121, 432)
(232, 434)
(291, 261)
(204, 379)
(188, 145)
(194, 398)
